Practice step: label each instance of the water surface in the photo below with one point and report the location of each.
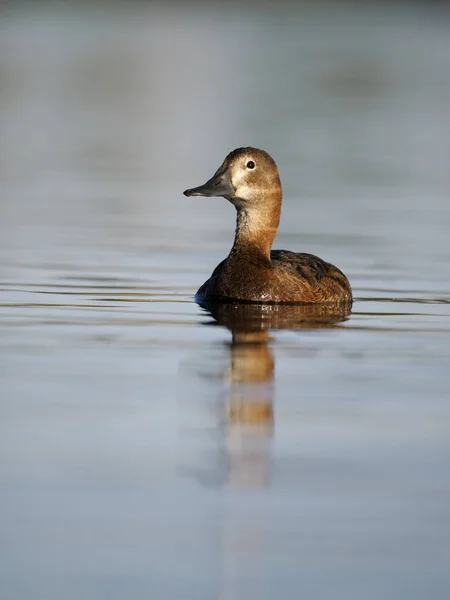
(147, 447)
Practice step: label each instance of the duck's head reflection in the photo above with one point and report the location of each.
(250, 378)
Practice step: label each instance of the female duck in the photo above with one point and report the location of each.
(252, 272)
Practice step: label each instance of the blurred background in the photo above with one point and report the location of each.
(140, 452)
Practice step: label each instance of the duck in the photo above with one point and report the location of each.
(253, 272)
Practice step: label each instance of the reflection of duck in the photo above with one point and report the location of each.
(249, 408)
(250, 379)
(238, 382)
(249, 179)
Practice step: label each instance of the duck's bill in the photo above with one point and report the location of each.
(219, 185)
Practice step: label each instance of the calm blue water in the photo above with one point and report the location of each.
(145, 451)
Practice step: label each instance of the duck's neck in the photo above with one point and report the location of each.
(256, 229)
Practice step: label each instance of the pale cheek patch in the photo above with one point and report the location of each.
(245, 191)
(238, 179)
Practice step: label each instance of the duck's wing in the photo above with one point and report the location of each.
(315, 272)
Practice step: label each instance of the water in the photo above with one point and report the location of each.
(147, 449)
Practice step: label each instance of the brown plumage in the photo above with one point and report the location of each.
(252, 272)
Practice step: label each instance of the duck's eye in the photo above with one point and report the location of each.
(250, 164)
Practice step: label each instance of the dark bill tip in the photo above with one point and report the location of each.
(192, 192)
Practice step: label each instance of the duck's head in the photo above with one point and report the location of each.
(246, 177)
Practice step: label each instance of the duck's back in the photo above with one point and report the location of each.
(289, 277)
(318, 279)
